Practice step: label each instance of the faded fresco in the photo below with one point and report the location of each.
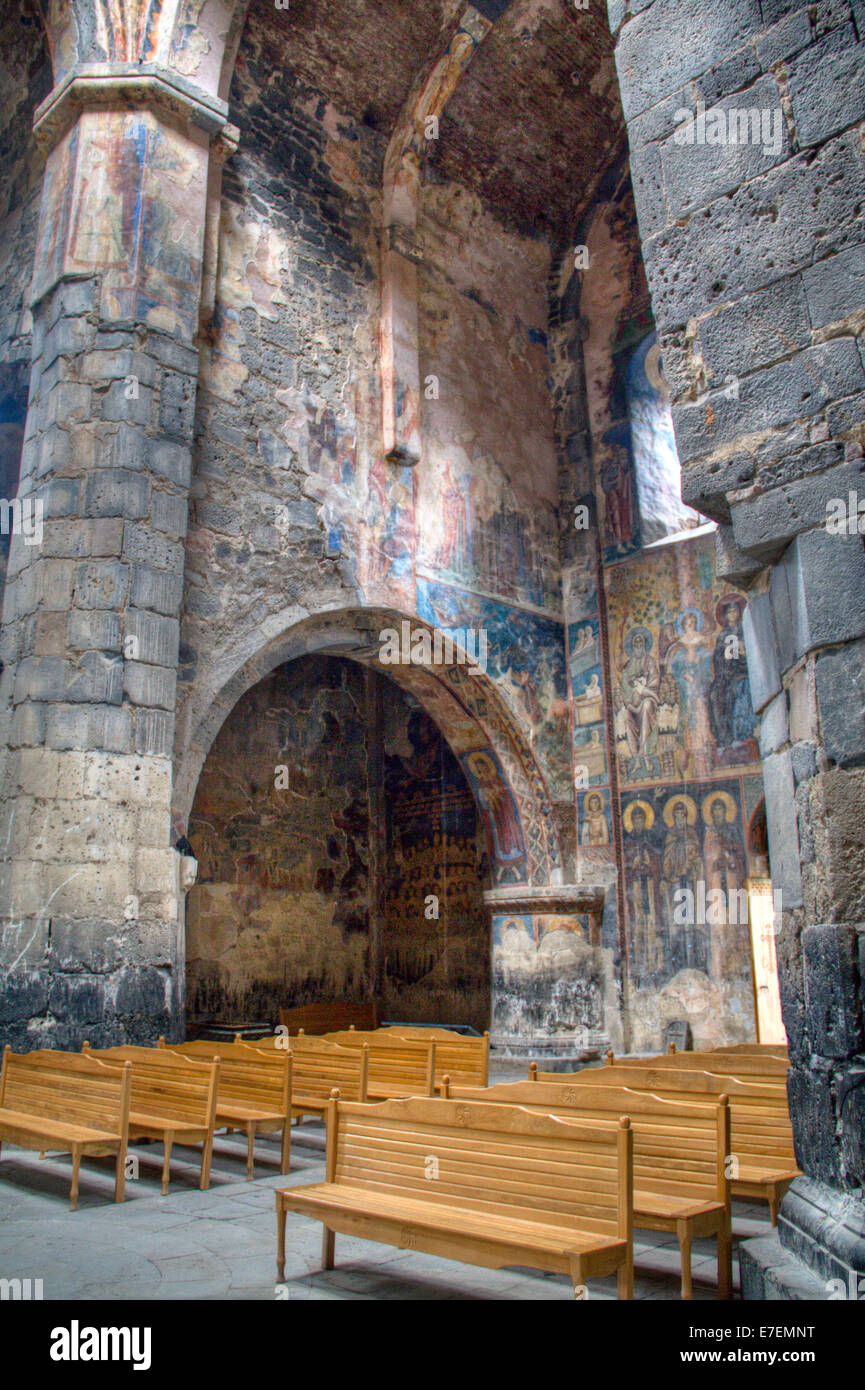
(681, 695)
(435, 943)
(526, 659)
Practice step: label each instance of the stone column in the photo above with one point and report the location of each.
(755, 252)
(88, 879)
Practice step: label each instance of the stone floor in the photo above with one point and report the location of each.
(221, 1244)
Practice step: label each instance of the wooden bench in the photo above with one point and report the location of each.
(464, 1059)
(726, 1063)
(763, 1159)
(319, 1067)
(489, 1185)
(62, 1102)
(777, 1050)
(680, 1156)
(173, 1100)
(398, 1067)
(330, 1016)
(254, 1095)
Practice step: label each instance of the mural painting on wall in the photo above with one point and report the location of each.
(681, 694)
(681, 845)
(476, 533)
(436, 935)
(526, 659)
(547, 978)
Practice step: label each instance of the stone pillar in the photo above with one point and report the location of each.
(88, 879)
(755, 253)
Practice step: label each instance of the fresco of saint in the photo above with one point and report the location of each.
(730, 708)
(638, 701)
(691, 663)
(683, 869)
(643, 867)
(595, 829)
(726, 869)
(497, 807)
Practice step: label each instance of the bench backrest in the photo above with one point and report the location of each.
(680, 1147)
(318, 1066)
(330, 1016)
(260, 1079)
(163, 1084)
(756, 1050)
(760, 1128)
(493, 1158)
(400, 1063)
(730, 1063)
(68, 1087)
(464, 1059)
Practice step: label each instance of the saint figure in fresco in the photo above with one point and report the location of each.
(683, 870)
(595, 829)
(497, 806)
(691, 663)
(730, 708)
(617, 483)
(638, 692)
(726, 869)
(643, 880)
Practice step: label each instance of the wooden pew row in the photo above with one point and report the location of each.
(398, 1068)
(680, 1156)
(254, 1095)
(464, 1059)
(727, 1063)
(763, 1159)
(510, 1187)
(173, 1100)
(778, 1050)
(62, 1102)
(319, 1067)
(330, 1016)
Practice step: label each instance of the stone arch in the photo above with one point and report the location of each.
(463, 703)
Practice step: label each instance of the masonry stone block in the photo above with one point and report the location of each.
(143, 545)
(153, 686)
(170, 513)
(156, 589)
(97, 680)
(774, 725)
(835, 287)
(826, 584)
(827, 90)
(154, 733)
(60, 497)
(810, 1094)
(759, 635)
(650, 65)
(120, 402)
(41, 678)
(102, 584)
(157, 638)
(782, 40)
(841, 698)
(762, 524)
(782, 828)
(114, 492)
(760, 328)
(125, 448)
(832, 990)
(177, 404)
(169, 460)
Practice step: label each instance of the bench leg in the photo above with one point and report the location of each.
(206, 1156)
(166, 1162)
(280, 1238)
(773, 1205)
(725, 1259)
(327, 1248)
(683, 1231)
(577, 1278)
(625, 1278)
(250, 1150)
(285, 1149)
(76, 1164)
(120, 1175)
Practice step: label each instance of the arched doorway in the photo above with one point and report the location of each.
(341, 855)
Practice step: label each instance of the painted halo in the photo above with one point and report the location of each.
(730, 811)
(729, 601)
(689, 805)
(698, 616)
(629, 639)
(628, 817)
